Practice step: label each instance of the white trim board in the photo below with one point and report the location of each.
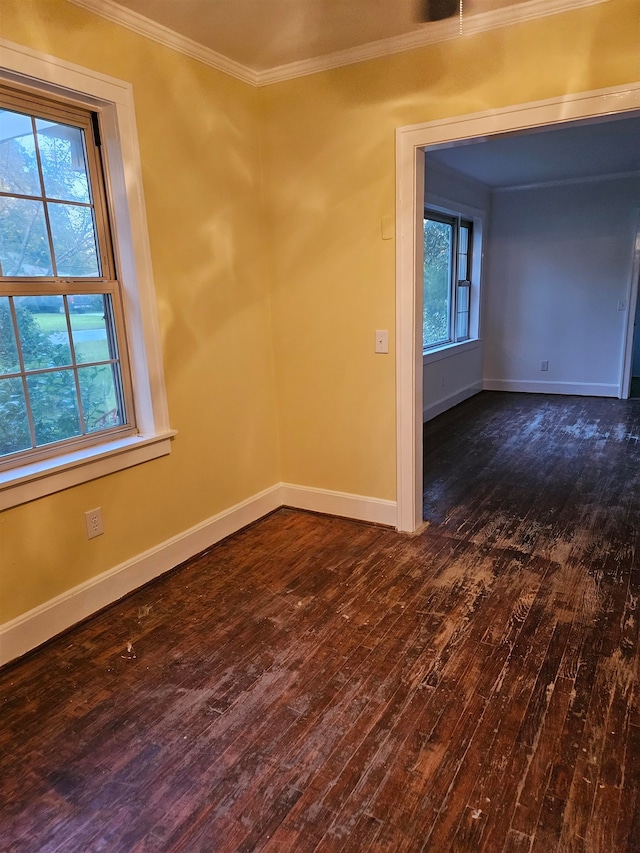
(632, 311)
(589, 179)
(411, 142)
(167, 37)
(434, 409)
(355, 507)
(432, 33)
(113, 99)
(32, 629)
(531, 386)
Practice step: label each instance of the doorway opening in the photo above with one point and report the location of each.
(411, 143)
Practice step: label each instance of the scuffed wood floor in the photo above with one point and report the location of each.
(318, 684)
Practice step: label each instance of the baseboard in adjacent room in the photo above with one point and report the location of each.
(432, 410)
(531, 386)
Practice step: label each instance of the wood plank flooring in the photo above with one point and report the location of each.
(316, 684)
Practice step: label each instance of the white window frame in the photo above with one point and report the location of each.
(476, 216)
(113, 99)
(456, 222)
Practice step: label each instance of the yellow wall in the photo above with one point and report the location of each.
(199, 143)
(272, 279)
(330, 151)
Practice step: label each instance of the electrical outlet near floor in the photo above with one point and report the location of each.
(544, 365)
(93, 520)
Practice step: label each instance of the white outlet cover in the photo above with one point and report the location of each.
(382, 340)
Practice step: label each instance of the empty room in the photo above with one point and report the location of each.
(312, 538)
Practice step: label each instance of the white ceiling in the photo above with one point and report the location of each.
(262, 41)
(554, 154)
(266, 34)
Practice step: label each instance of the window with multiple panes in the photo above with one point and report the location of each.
(447, 279)
(64, 375)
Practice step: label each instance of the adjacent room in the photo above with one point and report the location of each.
(552, 269)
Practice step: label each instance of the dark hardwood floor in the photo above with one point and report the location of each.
(317, 684)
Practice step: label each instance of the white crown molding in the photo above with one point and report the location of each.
(438, 31)
(562, 182)
(167, 37)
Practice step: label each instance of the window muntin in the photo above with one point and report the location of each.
(64, 377)
(463, 282)
(446, 280)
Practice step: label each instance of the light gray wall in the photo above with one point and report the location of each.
(558, 263)
(448, 377)
(635, 365)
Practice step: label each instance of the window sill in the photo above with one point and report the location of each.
(449, 350)
(29, 482)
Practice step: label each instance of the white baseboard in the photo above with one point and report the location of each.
(530, 386)
(440, 406)
(339, 503)
(35, 627)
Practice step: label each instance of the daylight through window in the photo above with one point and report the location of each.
(447, 279)
(64, 377)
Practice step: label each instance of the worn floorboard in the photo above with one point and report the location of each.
(316, 684)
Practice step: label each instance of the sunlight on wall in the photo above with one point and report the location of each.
(199, 142)
(330, 174)
(268, 309)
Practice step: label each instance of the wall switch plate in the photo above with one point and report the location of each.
(382, 340)
(93, 520)
(387, 227)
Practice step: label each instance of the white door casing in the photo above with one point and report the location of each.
(410, 144)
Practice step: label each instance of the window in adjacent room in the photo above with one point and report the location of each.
(64, 373)
(448, 244)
